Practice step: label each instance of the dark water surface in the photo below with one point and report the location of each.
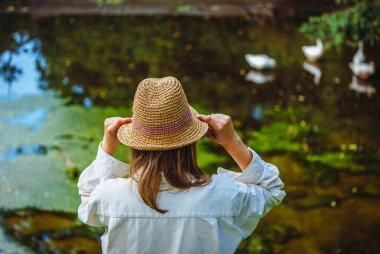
(60, 77)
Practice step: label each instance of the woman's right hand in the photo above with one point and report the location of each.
(221, 129)
(222, 132)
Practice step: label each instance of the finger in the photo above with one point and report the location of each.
(117, 123)
(118, 120)
(219, 116)
(204, 118)
(111, 119)
(211, 120)
(125, 120)
(122, 121)
(109, 122)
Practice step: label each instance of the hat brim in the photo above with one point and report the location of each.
(133, 137)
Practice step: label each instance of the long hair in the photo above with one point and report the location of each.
(178, 166)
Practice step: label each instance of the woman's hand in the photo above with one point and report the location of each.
(222, 132)
(221, 128)
(111, 125)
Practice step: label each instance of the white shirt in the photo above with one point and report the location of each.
(209, 219)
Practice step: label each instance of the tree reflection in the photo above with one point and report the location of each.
(10, 45)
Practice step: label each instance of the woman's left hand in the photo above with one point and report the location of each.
(111, 125)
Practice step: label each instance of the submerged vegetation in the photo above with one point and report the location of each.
(291, 132)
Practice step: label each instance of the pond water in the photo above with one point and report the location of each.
(61, 76)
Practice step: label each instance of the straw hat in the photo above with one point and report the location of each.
(162, 118)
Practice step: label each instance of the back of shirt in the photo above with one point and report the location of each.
(199, 220)
(210, 219)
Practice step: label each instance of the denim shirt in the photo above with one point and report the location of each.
(210, 219)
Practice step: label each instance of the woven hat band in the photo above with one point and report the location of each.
(166, 129)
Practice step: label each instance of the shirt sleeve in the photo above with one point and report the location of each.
(262, 189)
(102, 168)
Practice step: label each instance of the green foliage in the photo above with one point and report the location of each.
(180, 7)
(358, 20)
(110, 2)
(208, 160)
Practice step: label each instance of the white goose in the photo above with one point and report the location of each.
(313, 69)
(313, 53)
(359, 56)
(260, 61)
(359, 67)
(258, 77)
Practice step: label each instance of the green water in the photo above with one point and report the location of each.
(62, 76)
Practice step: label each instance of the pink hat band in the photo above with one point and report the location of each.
(166, 129)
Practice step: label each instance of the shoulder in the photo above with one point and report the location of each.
(235, 190)
(115, 196)
(111, 188)
(229, 184)
(226, 191)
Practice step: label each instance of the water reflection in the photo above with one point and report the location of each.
(31, 119)
(257, 111)
(258, 77)
(23, 150)
(18, 67)
(49, 232)
(361, 86)
(323, 138)
(313, 69)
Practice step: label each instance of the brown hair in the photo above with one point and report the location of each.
(178, 166)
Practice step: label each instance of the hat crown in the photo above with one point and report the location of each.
(159, 102)
(162, 118)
